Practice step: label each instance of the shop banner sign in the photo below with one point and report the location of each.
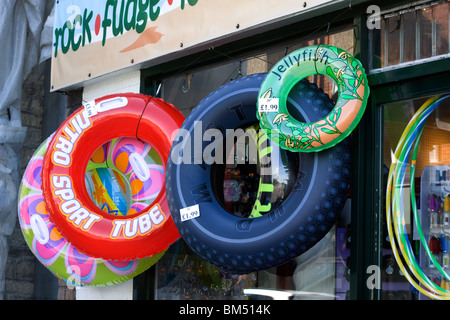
(94, 38)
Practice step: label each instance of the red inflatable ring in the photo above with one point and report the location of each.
(71, 209)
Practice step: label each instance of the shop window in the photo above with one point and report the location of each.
(322, 272)
(413, 33)
(430, 191)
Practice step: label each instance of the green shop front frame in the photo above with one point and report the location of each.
(366, 236)
(396, 89)
(414, 80)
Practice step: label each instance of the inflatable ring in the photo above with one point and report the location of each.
(241, 244)
(350, 78)
(53, 250)
(79, 220)
(130, 190)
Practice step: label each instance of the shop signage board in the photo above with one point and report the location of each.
(94, 38)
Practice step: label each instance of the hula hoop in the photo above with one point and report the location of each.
(53, 250)
(409, 141)
(291, 134)
(79, 220)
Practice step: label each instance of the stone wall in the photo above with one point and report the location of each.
(21, 267)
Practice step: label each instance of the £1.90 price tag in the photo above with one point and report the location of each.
(189, 213)
(268, 104)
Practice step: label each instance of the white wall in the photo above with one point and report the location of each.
(120, 82)
(128, 81)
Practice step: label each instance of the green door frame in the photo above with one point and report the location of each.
(415, 81)
(368, 192)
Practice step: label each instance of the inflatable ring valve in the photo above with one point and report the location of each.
(79, 220)
(350, 78)
(241, 245)
(52, 250)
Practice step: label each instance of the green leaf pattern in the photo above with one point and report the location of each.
(308, 134)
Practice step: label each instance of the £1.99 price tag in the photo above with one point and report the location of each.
(268, 104)
(189, 213)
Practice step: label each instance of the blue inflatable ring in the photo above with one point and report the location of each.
(241, 244)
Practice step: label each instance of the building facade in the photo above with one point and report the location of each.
(404, 48)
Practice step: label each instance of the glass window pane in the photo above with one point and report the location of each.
(425, 35)
(409, 36)
(440, 16)
(393, 41)
(428, 188)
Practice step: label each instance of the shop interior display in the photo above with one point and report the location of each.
(434, 217)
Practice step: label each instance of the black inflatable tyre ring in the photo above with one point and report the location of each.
(242, 245)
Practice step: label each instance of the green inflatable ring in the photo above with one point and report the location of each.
(350, 78)
(53, 251)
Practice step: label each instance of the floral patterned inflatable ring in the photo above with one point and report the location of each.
(353, 92)
(91, 230)
(53, 250)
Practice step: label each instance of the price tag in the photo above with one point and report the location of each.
(189, 213)
(268, 104)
